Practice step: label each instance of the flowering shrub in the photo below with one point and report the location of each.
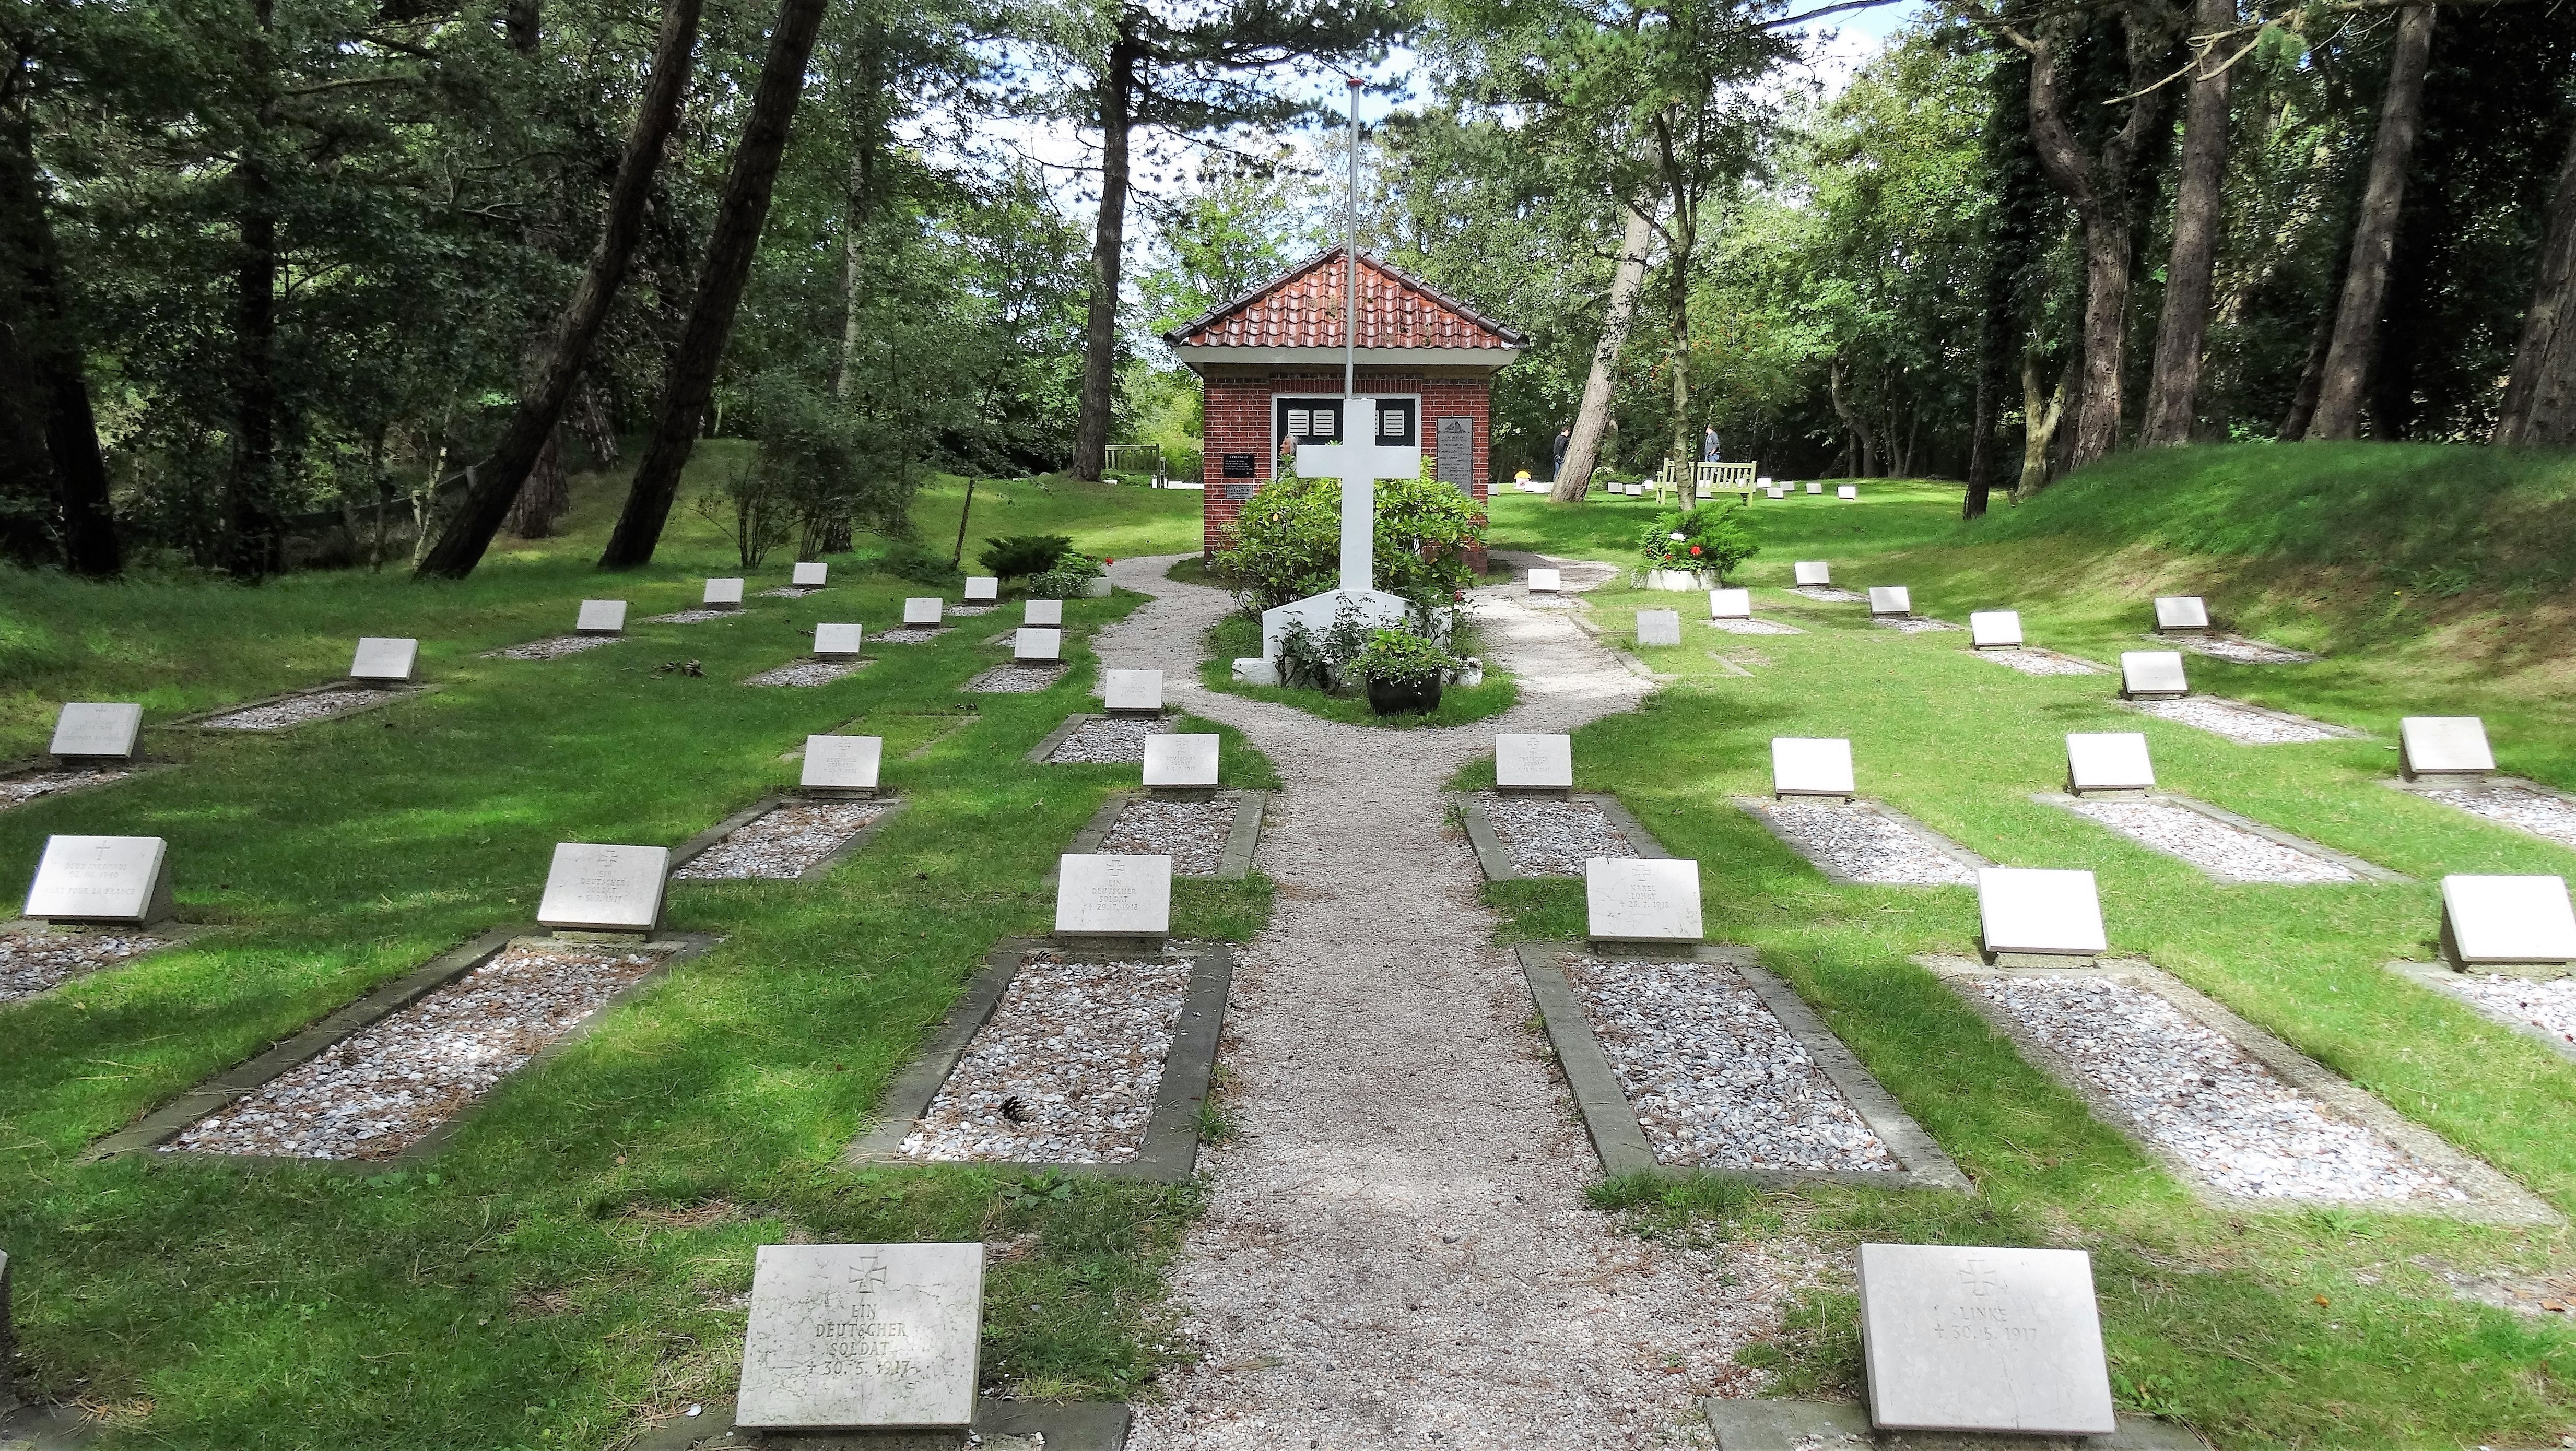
(1288, 542)
(1709, 537)
(1066, 577)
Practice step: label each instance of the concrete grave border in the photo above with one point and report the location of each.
(1758, 807)
(1171, 1148)
(1061, 669)
(2493, 1198)
(705, 841)
(1495, 860)
(1611, 1123)
(2091, 667)
(1062, 1425)
(1242, 841)
(2367, 871)
(2427, 785)
(1757, 1424)
(1039, 753)
(2186, 640)
(2438, 976)
(174, 932)
(146, 1135)
(2347, 733)
(386, 695)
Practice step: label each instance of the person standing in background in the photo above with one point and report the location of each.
(1564, 441)
(1710, 450)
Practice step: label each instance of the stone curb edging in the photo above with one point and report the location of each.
(2367, 871)
(1058, 1425)
(1496, 861)
(1767, 1425)
(1753, 806)
(1242, 841)
(386, 695)
(1038, 753)
(705, 841)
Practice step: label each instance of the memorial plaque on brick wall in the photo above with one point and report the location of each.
(96, 731)
(922, 610)
(1812, 572)
(2108, 761)
(1641, 899)
(600, 617)
(842, 763)
(109, 879)
(1132, 692)
(1659, 627)
(1994, 629)
(1890, 599)
(810, 575)
(1042, 612)
(1457, 458)
(982, 589)
(721, 594)
(1534, 762)
(2497, 920)
(594, 888)
(1730, 604)
(1544, 581)
(384, 661)
(1961, 1338)
(862, 1337)
(1236, 465)
(1113, 896)
(1811, 766)
(2181, 612)
(1181, 762)
(2430, 745)
(2152, 673)
(837, 640)
(1036, 646)
(2047, 913)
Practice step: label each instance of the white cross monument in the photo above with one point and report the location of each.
(1359, 466)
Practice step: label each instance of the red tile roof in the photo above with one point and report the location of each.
(1303, 309)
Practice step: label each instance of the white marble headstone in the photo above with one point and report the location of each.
(1811, 766)
(1659, 627)
(119, 879)
(1177, 761)
(1813, 572)
(600, 617)
(1890, 599)
(922, 610)
(594, 888)
(1815, 486)
(1534, 762)
(382, 659)
(1132, 691)
(2181, 612)
(1994, 629)
(1042, 612)
(2152, 672)
(850, 1337)
(842, 763)
(1035, 646)
(1546, 581)
(2036, 910)
(1776, 492)
(97, 730)
(2509, 919)
(810, 575)
(2440, 745)
(835, 640)
(1730, 604)
(982, 589)
(2108, 761)
(1960, 1338)
(1113, 896)
(1846, 491)
(1641, 899)
(722, 594)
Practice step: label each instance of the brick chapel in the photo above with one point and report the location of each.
(1270, 363)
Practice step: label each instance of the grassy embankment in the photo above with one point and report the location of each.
(2435, 580)
(573, 1264)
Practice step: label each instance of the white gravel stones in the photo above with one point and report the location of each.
(2548, 1004)
(1550, 838)
(2198, 1096)
(911, 634)
(1192, 833)
(2040, 662)
(31, 962)
(1065, 1071)
(2536, 812)
(1714, 1078)
(784, 842)
(972, 609)
(19, 790)
(1756, 627)
(2236, 722)
(809, 672)
(2222, 849)
(553, 649)
(1827, 594)
(2243, 651)
(790, 592)
(690, 617)
(388, 1086)
(295, 710)
(1015, 679)
(1860, 842)
(1112, 741)
(1913, 624)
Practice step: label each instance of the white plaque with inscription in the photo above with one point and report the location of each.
(120, 879)
(1890, 599)
(600, 617)
(1994, 629)
(1544, 581)
(1730, 604)
(384, 660)
(1136, 691)
(862, 1337)
(2504, 919)
(1957, 1338)
(1031, 646)
(2108, 761)
(922, 610)
(2038, 910)
(2152, 673)
(2181, 612)
(1640, 899)
(1042, 612)
(837, 641)
(1534, 762)
(1181, 761)
(1812, 572)
(1659, 627)
(722, 594)
(2432, 745)
(593, 888)
(810, 575)
(842, 763)
(96, 731)
(1113, 896)
(982, 589)
(1809, 766)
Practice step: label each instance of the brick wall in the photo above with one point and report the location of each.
(1238, 416)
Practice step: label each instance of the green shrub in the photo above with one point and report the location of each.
(1066, 577)
(906, 560)
(1708, 537)
(1021, 555)
(1288, 542)
(1402, 655)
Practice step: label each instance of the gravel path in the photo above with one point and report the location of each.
(1066, 1069)
(277, 715)
(27, 788)
(2542, 815)
(2240, 650)
(1015, 679)
(2234, 721)
(1116, 740)
(809, 672)
(31, 962)
(1191, 833)
(2206, 1101)
(1397, 1247)
(387, 1087)
(1714, 1078)
(1550, 838)
(785, 842)
(553, 649)
(2226, 851)
(1756, 627)
(690, 617)
(1864, 843)
(2039, 662)
(2548, 1004)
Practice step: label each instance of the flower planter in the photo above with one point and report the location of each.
(1403, 697)
(1677, 580)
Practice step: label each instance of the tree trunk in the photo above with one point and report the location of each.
(2173, 390)
(853, 266)
(1108, 246)
(2540, 394)
(1583, 450)
(544, 497)
(495, 485)
(2040, 417)
(1981, 427)
(2374, 237)
(1683, 238)
(252, 547)
(590, 420)
(53, 434)
(1865, 443)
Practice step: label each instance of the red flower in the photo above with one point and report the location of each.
(1694, 549)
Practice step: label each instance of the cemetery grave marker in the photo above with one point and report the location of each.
(2180, 612)
(1535, 764)
(1809, 766)
(1546, 581)
(982, 589)
(721, 594)
(1813, 572)
(1890, 600)
(1776, 492)
(834, 642)
(118, 880)
(600, 617)
(2441, 745)
(1036, 646)
(1730, 604)
(1815, 486)
(595, 888)
(2034, 917)
(1132, 692)
(862, 1337)
(2107, 761)
(1115, 897)
(1641, 899)
(1962, 1338)
(1042, 612)
(842, 765)
(810, 575)
(1659, 627)
(922, 610)
(1846, 491)
(1177, 765)
(382, 661)
(2152, 675)
(88, 731)
(1994, 630)
(2492, 921)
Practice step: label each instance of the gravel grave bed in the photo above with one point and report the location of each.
(2235, 722)
(2548, 1004)
(554, 649)
(1827, 594)
(1016, 680)
(2241, 651)
(1065, 1071)
(2038, 662)
(31, 962)
(1713, 1076)
(790, 592)
(690, 617)
(1192, 833)
(390, 1085)
(2532, 811)
(1915, 625)
(784, 842)
(277, 715)
(2207, 1102)
(910, 634)
(1116, 740)
(23, 789)
(969, 609)
(1756, 627)
(809, 672)
(1551, 838)
(2220, 848)
(1864, 844)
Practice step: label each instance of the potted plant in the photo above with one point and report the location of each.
(1694, 549)
(1403, 671)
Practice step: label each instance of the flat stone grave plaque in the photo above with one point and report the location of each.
(1546, 581)
(119, 879)
(1890, 599)
(1042, 612)
(810, 575)
(2427, 745)
(1730, 604)
(1776, 492)
(1811, 766)
(96, 731)
(922, 610)
(2493, 920)
(722, 594)
(2041, 912)
(1641, 899)
(1659, 627)
(1812, 572)
(594, 888)
(1959, 1338)
(1181, 762)
(2152, 673)
(1041, 646)
(862, 1337)
(379, 658)
(1994, 629)
(600, 617)
(1113, 896)
(982, 589)
(1534, 763)
(837, 640)
(842, 763)
(1846, 491)
(2181, 612)
(2108, 761)
(1132, 691)
(1815, 486)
